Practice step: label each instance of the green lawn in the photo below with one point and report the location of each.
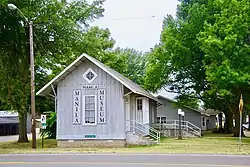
(210, 143)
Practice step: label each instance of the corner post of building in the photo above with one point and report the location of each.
(55, 97)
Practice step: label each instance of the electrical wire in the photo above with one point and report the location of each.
(136, 18)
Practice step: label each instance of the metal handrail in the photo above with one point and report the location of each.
(135, 124)
(138, 128)
(175, 125)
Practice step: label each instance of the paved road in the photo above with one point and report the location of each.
(123, 160)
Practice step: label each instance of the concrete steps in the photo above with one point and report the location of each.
(138, 139)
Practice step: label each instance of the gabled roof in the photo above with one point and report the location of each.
(190, 108)
(75, 64)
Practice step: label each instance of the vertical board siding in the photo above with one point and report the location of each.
(114, 128)
(152, 111)
(133, 108)
(170, 111)
(212, 122)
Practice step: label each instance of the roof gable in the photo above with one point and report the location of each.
(75, 64)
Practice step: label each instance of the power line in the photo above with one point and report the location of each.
(135, 18)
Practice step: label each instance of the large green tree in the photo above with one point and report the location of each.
(204, 54)
(129, 62)
(134, 63)
(226, 44)
(66, 23)
(176, 64)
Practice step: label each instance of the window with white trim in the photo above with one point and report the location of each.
(89, 109)
(161, 120)
(203, 121)
(139, 104)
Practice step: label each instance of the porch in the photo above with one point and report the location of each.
(140, 113)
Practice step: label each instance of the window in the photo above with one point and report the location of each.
(161, 120)
(89, 109)
(139, 104)
(203, 121)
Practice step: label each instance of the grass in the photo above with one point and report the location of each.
(210, 143)
(15, 147)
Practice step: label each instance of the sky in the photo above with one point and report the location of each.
(136, 23)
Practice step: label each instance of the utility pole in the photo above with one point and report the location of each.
(32, 76)
(32, 85)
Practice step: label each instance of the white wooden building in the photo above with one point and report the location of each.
(97, 106)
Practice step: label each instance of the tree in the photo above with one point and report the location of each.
(226, 46)
(203, 54)
(129, 62)
(176, 64)
(135, 64)
(59, 29)
(183, 100)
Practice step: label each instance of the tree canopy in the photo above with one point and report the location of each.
(61, 32)
(204, 54)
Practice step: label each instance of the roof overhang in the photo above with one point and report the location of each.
(202, 113)
(47, 88)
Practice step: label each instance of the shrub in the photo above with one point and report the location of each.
(50, 131)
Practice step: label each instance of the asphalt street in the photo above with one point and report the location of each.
(123, 160)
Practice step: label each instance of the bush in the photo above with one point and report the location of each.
(50, 131)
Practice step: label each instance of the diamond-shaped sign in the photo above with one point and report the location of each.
(89, 75)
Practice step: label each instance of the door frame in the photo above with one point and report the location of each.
(139, 114)
(205, 123)
(128, 115)
(145, 111)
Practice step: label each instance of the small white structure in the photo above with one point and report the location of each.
(97, 106)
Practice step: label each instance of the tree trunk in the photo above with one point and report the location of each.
(23, 127)
(229, 121)
(248, 121)
(220, 120)
(237, 124)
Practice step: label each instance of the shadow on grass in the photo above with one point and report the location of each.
(48, 143)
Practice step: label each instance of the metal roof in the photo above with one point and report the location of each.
(75, 64)
(8, 114)
(212, 111)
